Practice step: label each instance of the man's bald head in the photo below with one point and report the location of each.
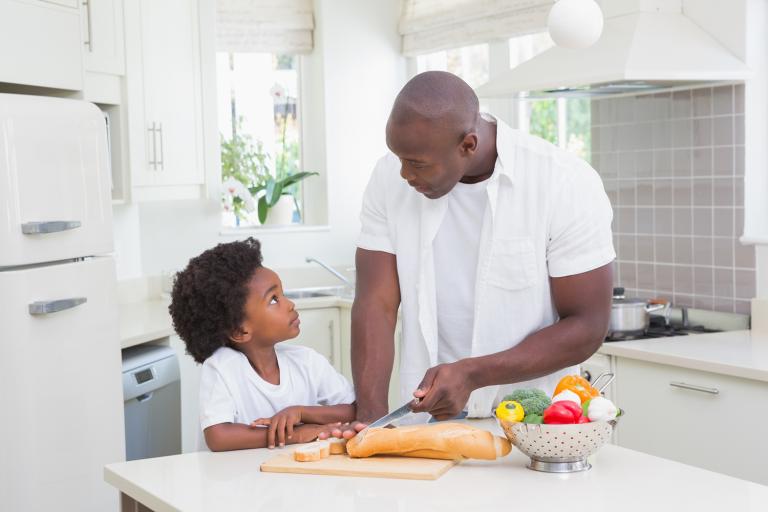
(439, 98)
(435, 130)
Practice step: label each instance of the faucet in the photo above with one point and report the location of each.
(332, 271)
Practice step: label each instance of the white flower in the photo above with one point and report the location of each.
(250, 205)
(278, 93)
(236, 189)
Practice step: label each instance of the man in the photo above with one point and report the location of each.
(497, 245)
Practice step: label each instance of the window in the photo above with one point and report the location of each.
(258, 95)
(564, 122)
(470, 63)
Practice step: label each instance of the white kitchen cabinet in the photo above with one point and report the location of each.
(163, 88)
(40, 44)
(699, 418)
(320, 331)
(189, 375)
(103, 36)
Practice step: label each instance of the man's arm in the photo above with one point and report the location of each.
(374, 316)
(583, 302)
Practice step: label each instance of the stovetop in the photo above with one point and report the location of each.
(658, 329)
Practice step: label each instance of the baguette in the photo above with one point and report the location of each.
(450, 441)
(312, 452)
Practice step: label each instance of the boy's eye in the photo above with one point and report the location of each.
(273, 300)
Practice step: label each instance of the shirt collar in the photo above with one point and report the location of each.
(505, 158)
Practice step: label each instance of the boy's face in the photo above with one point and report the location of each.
(269, 316)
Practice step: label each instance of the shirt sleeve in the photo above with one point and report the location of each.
(580, 236)
(332, 387)
(216, 402)
(374, 232)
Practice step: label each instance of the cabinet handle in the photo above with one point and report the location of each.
(87, 42)
(51, 226)
(44, 307)
(153, 161)
(333, 342)
(693, 387)
(161, 163)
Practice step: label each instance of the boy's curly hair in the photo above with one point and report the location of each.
(208, 297)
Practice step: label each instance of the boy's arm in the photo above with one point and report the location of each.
(235, 436)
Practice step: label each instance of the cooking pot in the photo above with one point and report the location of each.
(630, 317)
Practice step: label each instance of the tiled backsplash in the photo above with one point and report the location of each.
(673, 167)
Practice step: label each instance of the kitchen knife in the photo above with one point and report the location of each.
(395, 415)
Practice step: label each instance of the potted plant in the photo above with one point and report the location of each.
(249, 184)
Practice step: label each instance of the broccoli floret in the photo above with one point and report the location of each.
(535, 404)
(519, 395)
(534, 401)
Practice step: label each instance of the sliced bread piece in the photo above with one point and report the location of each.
(311, 452)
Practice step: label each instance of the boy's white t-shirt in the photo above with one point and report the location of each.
(232, 392)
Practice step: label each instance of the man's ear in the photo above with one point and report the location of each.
(241, 335)
(468, 144)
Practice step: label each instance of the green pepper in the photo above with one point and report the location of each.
(585, 408)
(536, 419)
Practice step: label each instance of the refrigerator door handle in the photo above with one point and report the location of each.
(44, 307)
(51, 226)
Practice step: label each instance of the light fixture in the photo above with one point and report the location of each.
(575, 24)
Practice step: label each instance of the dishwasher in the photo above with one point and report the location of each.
(152, 400)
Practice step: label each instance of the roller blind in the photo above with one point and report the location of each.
(271, 26)
(431, 25)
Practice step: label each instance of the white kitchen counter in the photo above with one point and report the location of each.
(737, 353)
(144, 321)
(620, 479)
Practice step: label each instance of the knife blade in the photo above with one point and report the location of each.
(395, 415)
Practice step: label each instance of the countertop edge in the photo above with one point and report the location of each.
(125, 486)
(693, 363)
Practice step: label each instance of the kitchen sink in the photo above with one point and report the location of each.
(313, 293)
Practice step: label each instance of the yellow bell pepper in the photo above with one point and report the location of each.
(511, 411)
(578, 385)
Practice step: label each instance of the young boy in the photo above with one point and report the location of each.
(232, 315)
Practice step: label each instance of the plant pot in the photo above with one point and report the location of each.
(282, 213)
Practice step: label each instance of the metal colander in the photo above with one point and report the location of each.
(561, 448)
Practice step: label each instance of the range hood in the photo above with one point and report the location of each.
(642, 50)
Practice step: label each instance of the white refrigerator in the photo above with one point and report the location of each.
(61, 406)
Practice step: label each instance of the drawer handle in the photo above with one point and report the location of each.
(693, 387)
(51, 226)
(44, 307)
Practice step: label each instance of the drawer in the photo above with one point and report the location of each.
(704, 419)
(54, 180)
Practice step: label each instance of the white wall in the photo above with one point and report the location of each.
(357, 54)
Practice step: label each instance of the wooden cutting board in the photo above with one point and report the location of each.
(409, 468)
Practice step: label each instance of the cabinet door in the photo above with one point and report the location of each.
(40, 45)
(704, 419)
(189, 372)
(103, 42)
(320, 331)
(169, 32)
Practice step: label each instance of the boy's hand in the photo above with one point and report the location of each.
(280, 425)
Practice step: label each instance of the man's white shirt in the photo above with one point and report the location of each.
(546, 215)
